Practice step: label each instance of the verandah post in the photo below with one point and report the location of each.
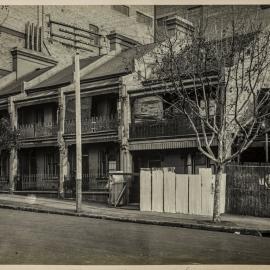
(63, 148)
(13, 155)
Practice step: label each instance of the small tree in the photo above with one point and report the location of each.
(226, 102)
(8, 136)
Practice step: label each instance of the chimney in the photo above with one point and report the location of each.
(119, 42)
(175, 24)
(26, 61)
(104, 42)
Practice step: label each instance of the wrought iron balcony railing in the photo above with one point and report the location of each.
(177, 126)
(89, 125)
(37, 130)
(93, 124)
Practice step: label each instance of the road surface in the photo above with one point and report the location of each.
(35, 238)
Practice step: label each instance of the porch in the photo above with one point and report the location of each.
(38, 121)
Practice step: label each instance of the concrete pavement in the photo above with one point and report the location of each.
(229, 223)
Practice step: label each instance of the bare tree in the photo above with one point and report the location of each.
(216, 76)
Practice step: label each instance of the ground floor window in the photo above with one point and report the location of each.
(51, 163)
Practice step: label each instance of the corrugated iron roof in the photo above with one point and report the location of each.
(121, 63)
(65, 76)
(16, 86)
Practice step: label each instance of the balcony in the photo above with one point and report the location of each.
(175, 127)
(38, 130)
(93, 125)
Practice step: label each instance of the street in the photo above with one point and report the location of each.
(34, 238)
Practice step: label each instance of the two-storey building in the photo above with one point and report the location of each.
(37, 95)
(125, 121)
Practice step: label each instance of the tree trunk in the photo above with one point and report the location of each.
(216, 210)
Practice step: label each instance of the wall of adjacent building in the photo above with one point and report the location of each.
(224, 12)
(105, 18)
(217, 17)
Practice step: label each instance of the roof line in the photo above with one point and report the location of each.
(100, 78)
(55, 86)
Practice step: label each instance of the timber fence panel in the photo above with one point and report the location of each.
(169, 190)
(195, 205)
(207, 191)
(157, 190)
(181, 194)
(145, 190)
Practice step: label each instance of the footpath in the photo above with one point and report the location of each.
(256, 226)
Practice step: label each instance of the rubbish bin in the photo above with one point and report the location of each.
(116, 185)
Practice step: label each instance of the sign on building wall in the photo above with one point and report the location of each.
(148, 108)
(73, 36)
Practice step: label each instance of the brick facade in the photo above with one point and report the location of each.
(213, 13)
(104, 17)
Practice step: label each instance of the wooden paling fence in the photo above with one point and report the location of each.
(248, 190)
(162, 190)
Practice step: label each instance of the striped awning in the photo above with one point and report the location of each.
(181, 143)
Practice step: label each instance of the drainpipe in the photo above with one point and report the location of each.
(266, 148)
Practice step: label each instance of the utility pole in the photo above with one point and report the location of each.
(155, 23)
(78, 133)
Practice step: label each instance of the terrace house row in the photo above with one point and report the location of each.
(36, 47)
(124, 122)
(40, 103)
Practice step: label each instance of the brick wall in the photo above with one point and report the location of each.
(218, 17)
(106, 18)
(7, 42)
(213, 12)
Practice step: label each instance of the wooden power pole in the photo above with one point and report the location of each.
(78, 133)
